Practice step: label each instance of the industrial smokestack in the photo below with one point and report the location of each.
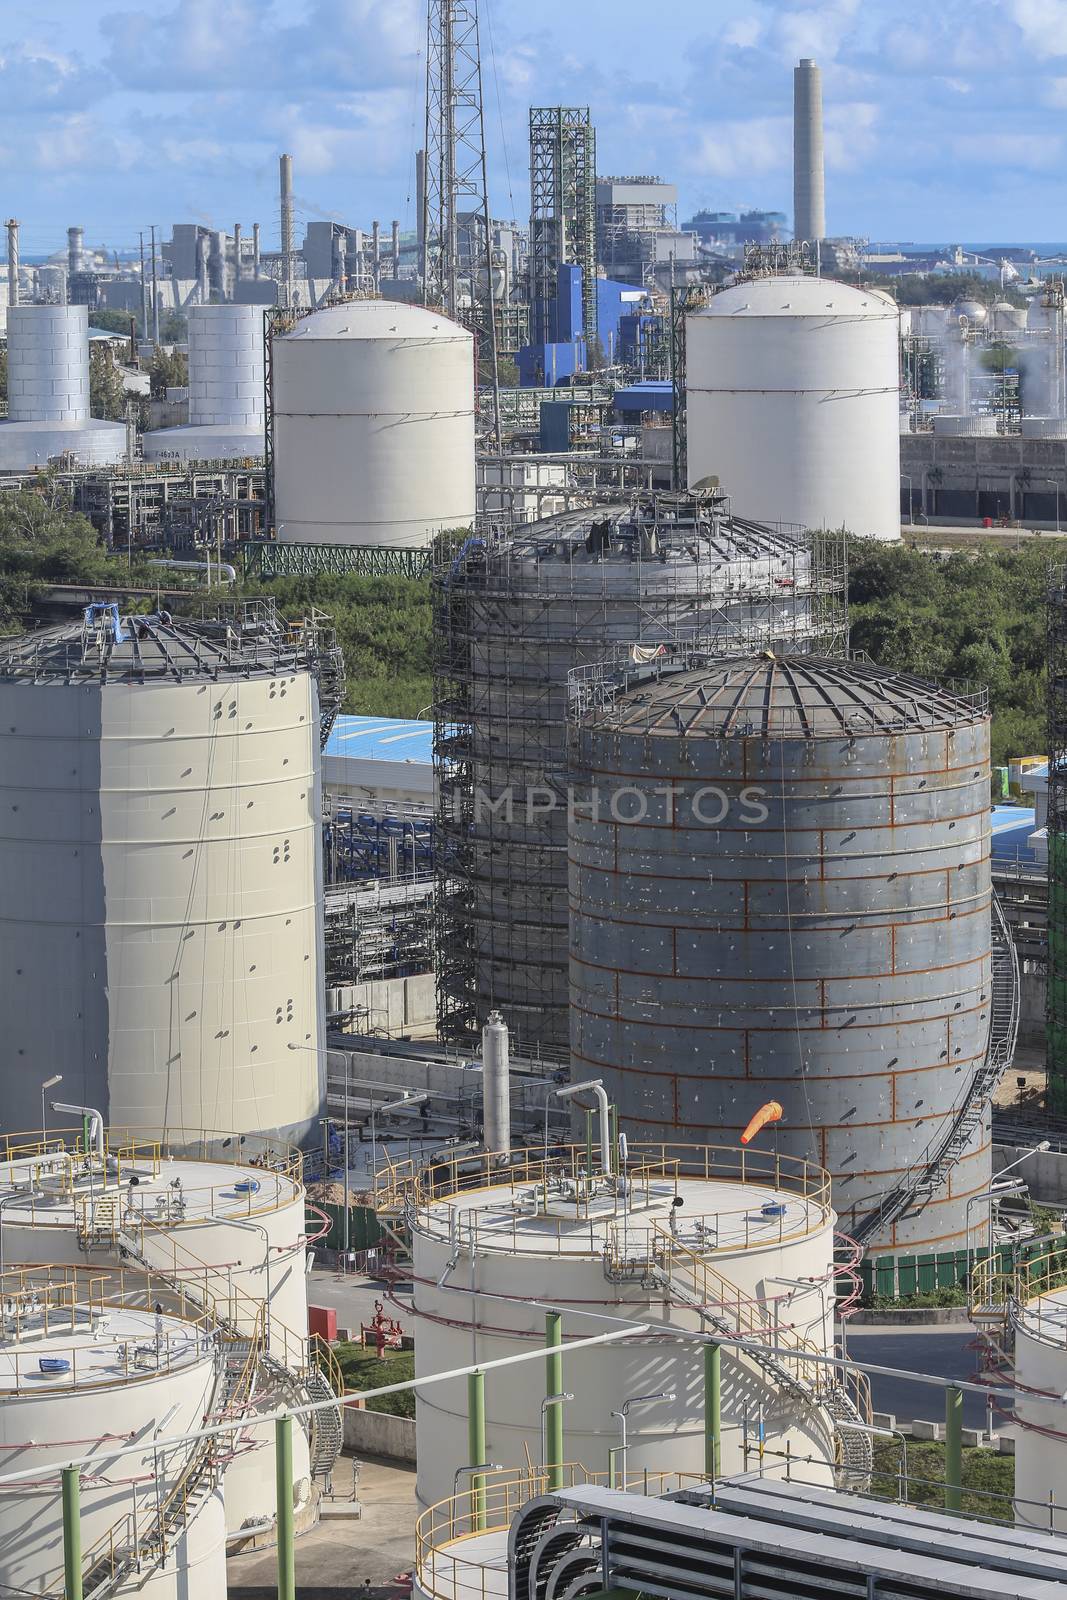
(285, 181)
(396, 249)
(202, 292)
(809, 192)
(376, 254)
(255, 249)
(12, 261)
(75, 249)
(496, 1085)
(236, 254)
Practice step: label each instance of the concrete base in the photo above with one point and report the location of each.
(92, 443)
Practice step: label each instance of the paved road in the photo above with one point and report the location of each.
(353, 1298)
(946, 1352)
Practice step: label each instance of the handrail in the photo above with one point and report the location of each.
(212, 1146)
(1016, 1294)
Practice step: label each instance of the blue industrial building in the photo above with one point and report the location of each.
(557, 348)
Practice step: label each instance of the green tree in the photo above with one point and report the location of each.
(507, 372)
(112, 321)
(107, 396)
(595, 359)
(43, 541)
(168, 369)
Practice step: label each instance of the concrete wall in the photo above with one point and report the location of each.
(1045, 1172)
(1001, 474)
(376, 1433)
(389, 1006)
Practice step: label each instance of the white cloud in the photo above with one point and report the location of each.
(1032, 152)
(1043, 24)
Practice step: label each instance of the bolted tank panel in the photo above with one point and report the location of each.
(792, 396)
(780, 890)
(48, 391)
(226, 405)
(161, 947)
(513, 618)
(373, 422)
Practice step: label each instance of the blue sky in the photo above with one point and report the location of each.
(945, 121)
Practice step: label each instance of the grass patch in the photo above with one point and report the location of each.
(988, 1478)
(363, 1370)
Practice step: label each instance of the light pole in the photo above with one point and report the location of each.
(49, 1083)
(549, 1400)
(624, 1412)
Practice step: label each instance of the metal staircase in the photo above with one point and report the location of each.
(327, 1425)
(930, 1173)
(689, 1279)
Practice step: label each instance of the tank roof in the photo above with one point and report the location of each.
(377, 319)
(229, 642)
(766, 695)
(799, 295)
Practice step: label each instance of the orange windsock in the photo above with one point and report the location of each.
(771, 1112)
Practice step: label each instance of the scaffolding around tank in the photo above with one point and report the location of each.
(512, 617)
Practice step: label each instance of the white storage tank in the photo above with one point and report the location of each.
(86, 1363)
(1038, 1318)
(160, 866)
(221, 1214)
(48, 392)
(495, 1244)
(226, 398)
(373, 419)
(792, 398)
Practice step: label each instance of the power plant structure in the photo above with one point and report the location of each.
(513, 616)
(649, 1236)
(48, 392)
(780, 890)
(371, 426)
(792, 397)
(162, 947)
(226, 402)
(809, 186)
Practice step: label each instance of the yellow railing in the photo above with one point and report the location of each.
(530, 1184)
(442, 1532)
(49, 1303)
(1022, 1294)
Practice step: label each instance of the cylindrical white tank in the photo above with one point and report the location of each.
(373, 415)
(226, 400)
(493, 1249)
(792, 396)
(87, 1364)
(972, 425)
(1040, 1323)
(221, 1214)
(161, 946)
(48, 391)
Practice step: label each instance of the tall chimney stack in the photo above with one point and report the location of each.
(285, 175)
(12, 261)
(809, 191)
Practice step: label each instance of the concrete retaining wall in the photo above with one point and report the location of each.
(1045, 1173)
(376, 1433)
(391, 1006)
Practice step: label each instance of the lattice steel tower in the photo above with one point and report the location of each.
(562, 208)
(457, 239)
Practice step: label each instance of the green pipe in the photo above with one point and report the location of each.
(953, 1448)
(72, 1534)
(283, 1468)
(554, 1385)
(712, 1410)
(476, 1446)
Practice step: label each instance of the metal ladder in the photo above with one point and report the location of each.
(831, 1397)
(923, 1180)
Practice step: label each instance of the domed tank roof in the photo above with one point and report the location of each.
(799, 296)
(769, 696)
(377, 319)
(973, 310)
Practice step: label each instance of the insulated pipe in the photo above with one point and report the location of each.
(595, 1087)
(96, 1123)
(496, 1085)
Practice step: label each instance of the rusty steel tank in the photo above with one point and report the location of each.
(780, 889)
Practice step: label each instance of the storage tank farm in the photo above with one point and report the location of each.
(86, 1363)
(160, 946)
(226, 396)
(513, 615)
(780, 890)
(48, 392)
(372, 406)
(792, 397)
(218, 1222)
(496, 1242)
